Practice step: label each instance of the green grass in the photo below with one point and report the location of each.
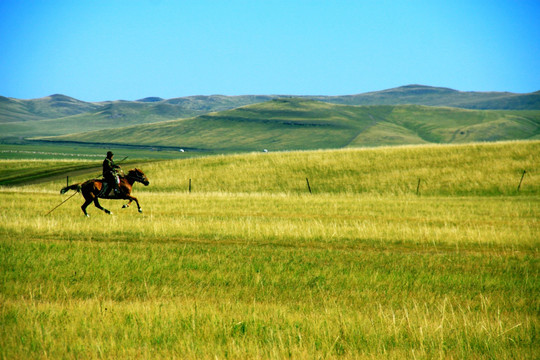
(199, 276)
(250, 265)
(46, 151)
(300, 124)
(457, 170)
(20, 171)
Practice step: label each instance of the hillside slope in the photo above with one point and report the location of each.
(58, 114)
(438, 96)
(300, 124)
(108, 116)
(50, 107)
(60, 106)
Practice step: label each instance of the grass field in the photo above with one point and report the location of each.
(251, 265)
(26, 163)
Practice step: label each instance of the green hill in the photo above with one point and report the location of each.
(301, 124)
(63, 115)
(60, 106)
(50, 107)
(58, 114)
(437, 96)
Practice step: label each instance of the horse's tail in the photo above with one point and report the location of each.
(76, 187)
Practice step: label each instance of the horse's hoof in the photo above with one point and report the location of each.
(87, 215)
(140, 210)
(125, 206)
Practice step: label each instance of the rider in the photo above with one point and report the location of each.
(109, 172)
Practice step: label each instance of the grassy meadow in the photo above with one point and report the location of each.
(249, 264)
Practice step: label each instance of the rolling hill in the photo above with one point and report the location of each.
(50, 107)
(60, 106)
(438, 96)
(318, 126)
(58, 114)
(302, 124)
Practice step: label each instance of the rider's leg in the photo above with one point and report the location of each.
(117, 184)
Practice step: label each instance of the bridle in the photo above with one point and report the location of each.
(136, 175)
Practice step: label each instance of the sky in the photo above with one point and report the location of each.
(97, 50)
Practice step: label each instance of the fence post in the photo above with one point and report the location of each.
(190, 185)
(309, 187)
(520, 181)
(418, 188)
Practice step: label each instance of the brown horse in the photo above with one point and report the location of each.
(92, 190)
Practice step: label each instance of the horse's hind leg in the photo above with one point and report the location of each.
(98, 205)
(85, 205)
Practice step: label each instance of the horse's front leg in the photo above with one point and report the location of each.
(132, 198)
(127, 205)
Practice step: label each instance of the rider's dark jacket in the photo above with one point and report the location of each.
(109, 169)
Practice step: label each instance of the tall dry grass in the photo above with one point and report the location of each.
(261, 271)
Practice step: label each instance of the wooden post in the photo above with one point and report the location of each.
(520, 181)
(190, 185)
(418, 188)
(309, 187)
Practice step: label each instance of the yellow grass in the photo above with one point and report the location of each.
(250, 265)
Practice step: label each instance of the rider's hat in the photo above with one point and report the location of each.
(109, 153)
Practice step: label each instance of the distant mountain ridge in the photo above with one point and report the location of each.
(57, 105)
(151, 99)
(49, 107)
(440, 96)
(58, 115)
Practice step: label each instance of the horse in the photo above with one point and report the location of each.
(92, 190)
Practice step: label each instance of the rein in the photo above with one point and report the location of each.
(134, 177)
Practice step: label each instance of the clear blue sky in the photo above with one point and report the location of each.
(97, 50)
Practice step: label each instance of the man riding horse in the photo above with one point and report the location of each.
(92, 189)
(110, 173)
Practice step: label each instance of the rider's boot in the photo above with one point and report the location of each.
(116, 189)
(116, 185)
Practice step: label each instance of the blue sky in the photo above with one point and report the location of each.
(108, 50)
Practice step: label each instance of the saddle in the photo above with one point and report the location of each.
(107, 190)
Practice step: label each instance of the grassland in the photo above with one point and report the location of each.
(249, 264)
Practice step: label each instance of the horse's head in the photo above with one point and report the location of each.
(138, 175)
